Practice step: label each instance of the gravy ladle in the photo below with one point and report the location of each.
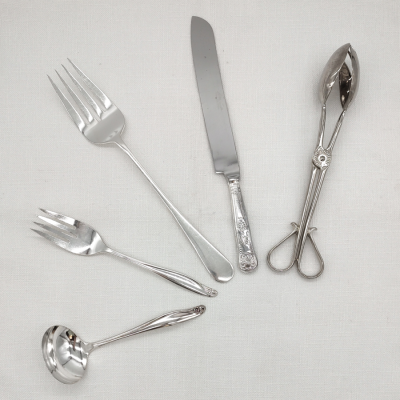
(66, 354)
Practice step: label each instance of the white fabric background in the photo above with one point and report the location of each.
(266, 336)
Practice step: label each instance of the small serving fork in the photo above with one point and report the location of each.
(101, 123)
(79, 238)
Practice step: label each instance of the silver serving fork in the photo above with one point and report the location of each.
(101, 123)
(335, 70)
(79, 238)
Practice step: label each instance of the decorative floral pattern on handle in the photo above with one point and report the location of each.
(247, 257)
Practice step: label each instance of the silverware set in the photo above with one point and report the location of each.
(102, 122)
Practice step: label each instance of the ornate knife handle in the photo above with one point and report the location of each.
(247, 256)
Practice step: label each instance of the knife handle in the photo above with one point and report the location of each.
(247, 256)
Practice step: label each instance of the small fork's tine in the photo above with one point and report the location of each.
(79, 122)
(64, 218)
(52, 239)
(77, 100)
(63, 236)
(99, 94)
(70, 229)
(85, 94)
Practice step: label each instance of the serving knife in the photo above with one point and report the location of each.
(219, 131)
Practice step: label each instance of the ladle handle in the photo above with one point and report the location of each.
(168, 319)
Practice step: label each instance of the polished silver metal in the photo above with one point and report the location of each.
(102, 122)
(79, 238)
(335, 70)
(66, 355)
(219, 132)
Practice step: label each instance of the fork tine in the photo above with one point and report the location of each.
(69, 107)
(77, 100)
(52, 239)
(85, 94)
(69, 229)
(64, 218)
(99, 94)
(61, 235)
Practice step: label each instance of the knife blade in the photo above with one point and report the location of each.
(219, 132)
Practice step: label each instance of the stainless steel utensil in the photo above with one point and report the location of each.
(80, 238)
(67, 355)
(219, 131)
(335, 70)
(101, 123)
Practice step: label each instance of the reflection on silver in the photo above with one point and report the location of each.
(103, 123)
(335, 70)
(219, 132)
(66, 354)
(79, 238)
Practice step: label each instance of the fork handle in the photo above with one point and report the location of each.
(172, 276)
(169, 319)
(214, 262)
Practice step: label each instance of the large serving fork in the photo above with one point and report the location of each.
(102, 122)
(335, 70)
(79, 238)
